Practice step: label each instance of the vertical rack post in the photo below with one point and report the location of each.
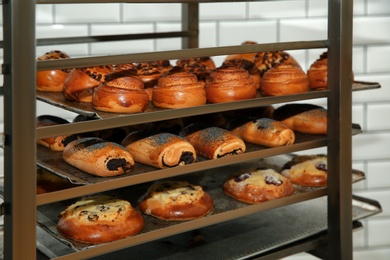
(19, 129)
(340, 21)
(190, 22)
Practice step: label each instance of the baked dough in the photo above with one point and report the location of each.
(99, 219)
(213, 142)
(98, 157)
(176, 200)
(162, 150)
(307, 170)
(258, 186)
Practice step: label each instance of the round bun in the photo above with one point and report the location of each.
(79, 84)
(244, 56)
(52, 80)
(258, 186)
(253, 71)
(303, 118)
(122, 92)
(179, 89)
(206, 61)
(284, 79)
(176, 200)
(227, 84)
(99, 219)
(307, 170)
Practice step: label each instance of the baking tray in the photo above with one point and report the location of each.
(58, 99)
(241, 238)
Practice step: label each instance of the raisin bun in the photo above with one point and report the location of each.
(176, 201)
(201, 70)
(178, 89)
(80, 82)
(149, 72)
(229, 83)
(258, 186)
(206, 61)
(253, 71)
(269, 59)
(99, 219)
(318, 73)
(52, 80)
(245, 56)
(122, 92)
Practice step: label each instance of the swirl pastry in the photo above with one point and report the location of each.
(52, 80)
(246, 56)
(265, 61)
(178, 89)
(304, 118)
(206, 61)
(263, 131)
(162, 150)
(253, 71)
(122, 92)
(213, 142)
(98, 157)
(79, 84)
(227, 84)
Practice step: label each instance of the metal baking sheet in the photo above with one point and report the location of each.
(240, 238)
(58, 99)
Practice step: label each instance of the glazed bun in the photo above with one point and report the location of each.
(52, 80)
(122, 92)
(206, 61)
(179, 89)
(79, 84)
(227, 84)
(253, 71)
(245, 56)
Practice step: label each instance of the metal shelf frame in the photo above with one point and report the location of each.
(20, 133)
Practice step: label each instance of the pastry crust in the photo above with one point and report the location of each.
(253, 71)
(304, 118)
(213, 142)
(258, 186)
(52, 80)
(98, 157)
(100, 219)
(307, 170)
(162, 150)
(245, 56)
(263, 131)
(176, 201)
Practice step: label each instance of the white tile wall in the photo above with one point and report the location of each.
(232, 23)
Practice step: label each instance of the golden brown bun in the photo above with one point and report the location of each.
(98, 157)
(52, 80)
(79, 84)
(122, 92)
(206, 61)
(304, 118)
(56, 143)
(284, 79)
(307, 170)
(99, 219)
(227, 84)
(162, 150)
(253, 71)
(179, 89)
(258, 186)
(245, 56)
(176, 201)
(213, 142)
(263, 131)
(201, 70)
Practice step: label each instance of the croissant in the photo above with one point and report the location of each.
(263, 131)
(122, 92)
(213, 142)
(98, 157)
(162, 150)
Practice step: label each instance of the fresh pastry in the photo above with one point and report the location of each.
(267, 60)
(161, 150)
(176, 201)
(304, 118)
(98, 157)
(246, 56)
(99, 219)
(307, 170)
(122, 92)
(56, 143)
(263, 131)
(206, 61)
(52, 80)
(201, 70)
(253, 71)
(258, 186)
(178, 89)
(213, 142)
(227, 84)
(80, 82)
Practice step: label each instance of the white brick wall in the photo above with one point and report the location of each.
(232, 23)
